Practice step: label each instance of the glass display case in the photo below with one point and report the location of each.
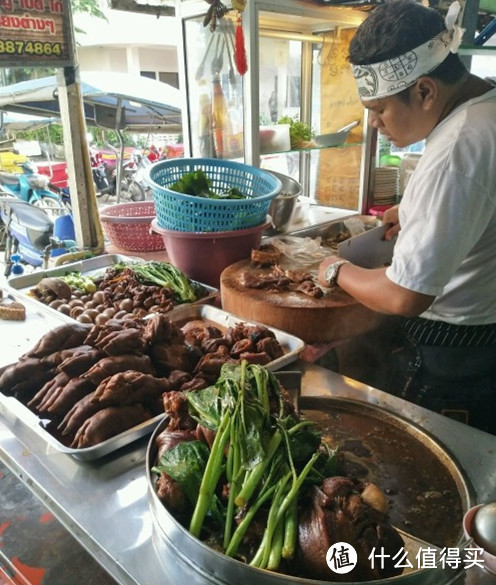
(298, 86)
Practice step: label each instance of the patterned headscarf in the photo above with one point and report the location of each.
(379, 80)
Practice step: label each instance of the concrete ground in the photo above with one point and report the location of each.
(35, 548)
(36, 545)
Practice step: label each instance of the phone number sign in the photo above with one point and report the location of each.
(35, 33)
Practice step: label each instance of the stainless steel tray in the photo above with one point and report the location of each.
(95, 266)
(172, 539)
(291, 345)
(14, 412)
(331, 229)
(90, 267)
(20, 336)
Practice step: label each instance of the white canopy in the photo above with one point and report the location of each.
(112, 100)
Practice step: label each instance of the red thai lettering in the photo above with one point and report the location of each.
(36, 5)
(29, 23)
(56, 7)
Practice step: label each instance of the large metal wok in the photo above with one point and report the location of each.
(427, 489)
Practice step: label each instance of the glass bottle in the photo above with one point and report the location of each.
(205, 123)
(220, 119)
(235, 140)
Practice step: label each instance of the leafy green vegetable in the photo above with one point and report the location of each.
(267, 456)
(198, 184)
(185, 463)
(194, 183)
(299, 132)
(166, 275)
(80, 281)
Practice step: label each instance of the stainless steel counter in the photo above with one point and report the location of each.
(104, 503)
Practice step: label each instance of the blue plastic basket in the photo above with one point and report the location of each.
(188, 213)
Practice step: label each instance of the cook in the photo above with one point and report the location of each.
(441, 280)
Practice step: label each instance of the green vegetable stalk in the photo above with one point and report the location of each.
(265, 456)
(210, 477)
(166, 275)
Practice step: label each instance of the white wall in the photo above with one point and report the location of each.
(127, 42)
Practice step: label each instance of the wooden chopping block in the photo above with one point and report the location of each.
(334, 318)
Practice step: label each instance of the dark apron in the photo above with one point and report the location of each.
(450, 369)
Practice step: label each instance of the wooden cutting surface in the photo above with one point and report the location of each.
(336, 317)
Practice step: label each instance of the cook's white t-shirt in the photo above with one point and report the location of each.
(447, 243)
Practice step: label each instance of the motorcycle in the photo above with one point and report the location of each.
(137, 187)
(99, 172)
(33, 236)
(105, 179)
(33, 188)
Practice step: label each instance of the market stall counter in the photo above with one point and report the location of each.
(104, 504)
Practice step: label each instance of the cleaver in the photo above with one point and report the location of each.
(368, 249)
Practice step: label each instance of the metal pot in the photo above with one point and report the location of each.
(182, 555)
(282, 207)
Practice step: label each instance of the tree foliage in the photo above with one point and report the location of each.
(90, 6)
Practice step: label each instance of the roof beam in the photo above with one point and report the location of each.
(152, 7)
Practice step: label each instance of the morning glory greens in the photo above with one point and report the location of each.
(262, 459)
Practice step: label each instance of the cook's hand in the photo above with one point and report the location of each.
(322, 268)
(391, 217)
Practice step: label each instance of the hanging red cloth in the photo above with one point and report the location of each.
(240, 50)
(239, 46)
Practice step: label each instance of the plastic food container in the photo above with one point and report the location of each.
(190, 213)
(127, 226)
(275, 138)
(204, 255)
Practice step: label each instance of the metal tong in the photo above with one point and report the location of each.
(224, 42)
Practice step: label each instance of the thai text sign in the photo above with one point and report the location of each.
(35, 33)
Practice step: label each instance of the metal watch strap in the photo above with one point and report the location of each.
(332, 271)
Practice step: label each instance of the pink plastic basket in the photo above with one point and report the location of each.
(127, 226)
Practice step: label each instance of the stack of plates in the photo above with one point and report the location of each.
(386, 185)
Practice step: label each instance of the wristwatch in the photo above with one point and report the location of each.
(332, 271)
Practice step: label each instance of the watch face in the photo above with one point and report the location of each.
(330, 273)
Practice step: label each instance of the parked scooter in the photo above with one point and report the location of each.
(133, 173)
(32, 236)
(32, 187)
(105, 178)
(100, 174)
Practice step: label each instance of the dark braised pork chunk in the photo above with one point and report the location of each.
(126, 341)
(62, 337)
(176, 406)
(129, 387)
(107, 423)
(108, 366)
(197, 332)
(161, 330)
(342, 510)
(280, 280)
(266, 255)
